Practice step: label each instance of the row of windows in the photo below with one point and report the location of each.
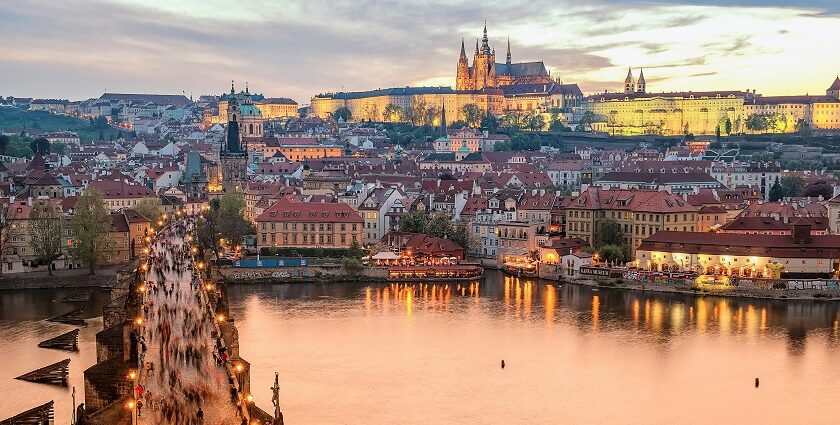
(306, 226)
(306, 238)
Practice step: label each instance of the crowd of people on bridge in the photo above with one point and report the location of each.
(180, 384)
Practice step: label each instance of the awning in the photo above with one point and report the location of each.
(385, 255)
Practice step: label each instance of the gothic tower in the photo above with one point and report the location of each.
(233, 157)
(484, 64)
(640, 85)
(834, 90)
(629, 83)
(462, 76)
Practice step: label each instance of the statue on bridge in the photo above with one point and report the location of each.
(275, 400)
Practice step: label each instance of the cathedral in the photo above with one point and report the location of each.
(485, 72)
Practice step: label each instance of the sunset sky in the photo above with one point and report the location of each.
(78, 49)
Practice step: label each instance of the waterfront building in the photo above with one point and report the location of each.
(798, 254)
(292, 223)
(639, 213)
(374, 210)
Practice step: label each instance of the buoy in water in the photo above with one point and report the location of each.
(503, 364)
(756, 382)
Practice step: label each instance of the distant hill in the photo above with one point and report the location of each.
(15, 119)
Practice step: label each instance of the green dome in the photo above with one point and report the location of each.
(249, 110)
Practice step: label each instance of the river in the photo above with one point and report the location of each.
(421, 354)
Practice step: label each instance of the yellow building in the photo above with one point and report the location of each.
(371, 105)
(639, 214)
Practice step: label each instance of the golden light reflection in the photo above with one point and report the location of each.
(658, 315)
(725, 317)
(367, 301)
(677, 318)
(702, 314)
(636, 309)
(549, 302)
(596, 307)
(529, 287)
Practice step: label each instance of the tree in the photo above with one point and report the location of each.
(613, 253)
(414, 222)
(149, 208)
(609, 232)
(40, 146)
(727, 126)
(416, 112)
(587, 119)
(232, 224)
(353, 266)
(4, 141)
(45, 232)
(819, 188)
(757, 123)
(59, 148)
(461, 235)
(792, 186)
(355, 251)
(343, 113)
(490, 123)
(91, 225)
(776, 191)
(392, 113)
(207, 229)
(472, 114)
(440, 225)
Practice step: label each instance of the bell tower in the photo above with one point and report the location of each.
(463, 79)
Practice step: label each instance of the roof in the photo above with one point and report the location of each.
(835, 86)
(657, 178)
(636, 200)
(521, 69)
(289, 210)
(541, 88)
(778, 246)
(160, 99)
(759, 224)
(119, 189)
(685, 95)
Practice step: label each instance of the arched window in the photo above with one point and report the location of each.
(250, 128)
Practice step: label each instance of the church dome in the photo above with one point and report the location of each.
(249, 110)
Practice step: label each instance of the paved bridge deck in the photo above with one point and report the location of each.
(180, 374)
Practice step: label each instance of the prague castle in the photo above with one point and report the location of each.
(485, 72)
(495, 88)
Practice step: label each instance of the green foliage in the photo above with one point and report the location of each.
(414, 222)
(233, 226)
(149, 208)
(819, 188)
(40, 146)
(45, 232)
(776, 191)
(90, 225)
(343, 113)
(609, 233)
(792, 186)
(59, 148)
(586, 120)
(393, 113)
(490, 123)
(88, 130)
(440, 225)
(19, 146)
(355, 251)
(472, 114)
(4, 143)
(353, 266)
(613, 253)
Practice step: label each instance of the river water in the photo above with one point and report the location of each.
(422, 354)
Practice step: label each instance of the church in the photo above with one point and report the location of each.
(244, 121)
(485, 72)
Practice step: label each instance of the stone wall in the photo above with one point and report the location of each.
(296, 274)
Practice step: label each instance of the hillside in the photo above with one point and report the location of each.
(14, 119)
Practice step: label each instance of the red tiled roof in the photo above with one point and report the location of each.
(288, 210)
(778, 246)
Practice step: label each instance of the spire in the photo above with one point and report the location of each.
(443, 122)
(231, 87)
(476, 46)
(463, 52)
(485, 43)
(629, 75)
(629, 82)
(642, 76)
(508, 52)
(246, 87)
(640, 83)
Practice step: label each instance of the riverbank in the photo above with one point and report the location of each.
(75, 278)
(730, 291)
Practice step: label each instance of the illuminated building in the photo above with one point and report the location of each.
(634, 111)
(485, 72)
(796, 255)
(233, 157)
(291, 223)
(639, 213)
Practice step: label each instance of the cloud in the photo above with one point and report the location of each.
(76, 48)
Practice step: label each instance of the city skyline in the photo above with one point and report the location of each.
(78, 49)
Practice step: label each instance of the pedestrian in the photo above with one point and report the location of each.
(200, 415)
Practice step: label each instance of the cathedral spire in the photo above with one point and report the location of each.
(463, 52)
(246, 87)
(640, 83)
(507, 60)
(485, 43)
(231, 87)
(629, 83)
(476, 47)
